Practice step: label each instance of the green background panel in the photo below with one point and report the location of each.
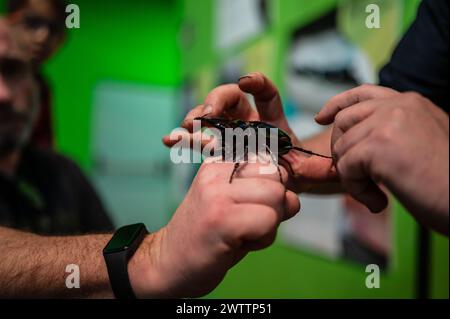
(128, 41)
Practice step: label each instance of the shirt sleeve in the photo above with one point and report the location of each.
(420, 61)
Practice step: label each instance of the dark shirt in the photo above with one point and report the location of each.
(42, 135)
(50, 196)
(420, 61)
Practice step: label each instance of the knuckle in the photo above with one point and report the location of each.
(397, 114)
(338, 146)
(219, 91)
(333, 100)
(413, 100)
(366, 86)
(277, 190)
(414, 96)
(212, 194)
(272, 188)
(377, 171)
(268, 240)
(383, 135)
(204, 179)
(339, 118)
(214, 217)
(271, 220)
(341, 167)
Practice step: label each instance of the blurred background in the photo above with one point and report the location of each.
(134, 68)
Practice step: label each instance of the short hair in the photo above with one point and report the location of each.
(59, 6)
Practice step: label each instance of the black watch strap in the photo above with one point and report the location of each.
(117, 253)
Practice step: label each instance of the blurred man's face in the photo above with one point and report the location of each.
(17, 98)
(41, 28)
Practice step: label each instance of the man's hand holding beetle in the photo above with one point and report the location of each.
(377, 136)
(216, 225)
(308, 173)
(399, 140)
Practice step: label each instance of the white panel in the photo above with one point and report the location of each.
(237, 21)
(132, 169)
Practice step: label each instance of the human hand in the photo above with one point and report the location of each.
(230, 102)
(397, 139)
(216, 225)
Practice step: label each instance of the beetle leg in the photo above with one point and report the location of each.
(287, 162)
(309, 152)
(275, 161)
(235, 169)
(238, 163)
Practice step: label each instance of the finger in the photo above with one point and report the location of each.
(350, 117)
(230, 102)
(310, 169)
(259, 191)
(355, 173)
(348, 98)
(249, 170)
(261, 243)
(368, 193)
(198, 111)
(196, 141)
(292, 205)
(351, 138)
(266, 95)
(250, 224)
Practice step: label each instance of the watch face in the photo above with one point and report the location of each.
(123, 238)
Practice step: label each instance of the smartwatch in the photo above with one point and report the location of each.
(118, 253)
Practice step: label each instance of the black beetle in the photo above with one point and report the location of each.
(284, 141)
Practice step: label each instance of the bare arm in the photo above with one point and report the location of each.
(34, 265)
(216, 225)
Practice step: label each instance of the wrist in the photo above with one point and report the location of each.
(144, 269)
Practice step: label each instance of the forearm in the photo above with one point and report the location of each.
(34, 266)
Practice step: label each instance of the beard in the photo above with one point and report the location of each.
(14, 130)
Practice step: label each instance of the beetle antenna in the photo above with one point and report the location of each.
(309, 152)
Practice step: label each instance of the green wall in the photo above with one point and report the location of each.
(132, 41)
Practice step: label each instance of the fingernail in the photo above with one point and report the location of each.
(207, 109)
(316, 116)
(248, 76)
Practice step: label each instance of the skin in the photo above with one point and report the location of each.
(216, 225)
(17, 96)
(309, 173)
(404, 153)
(42, 41)
(367, 148)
